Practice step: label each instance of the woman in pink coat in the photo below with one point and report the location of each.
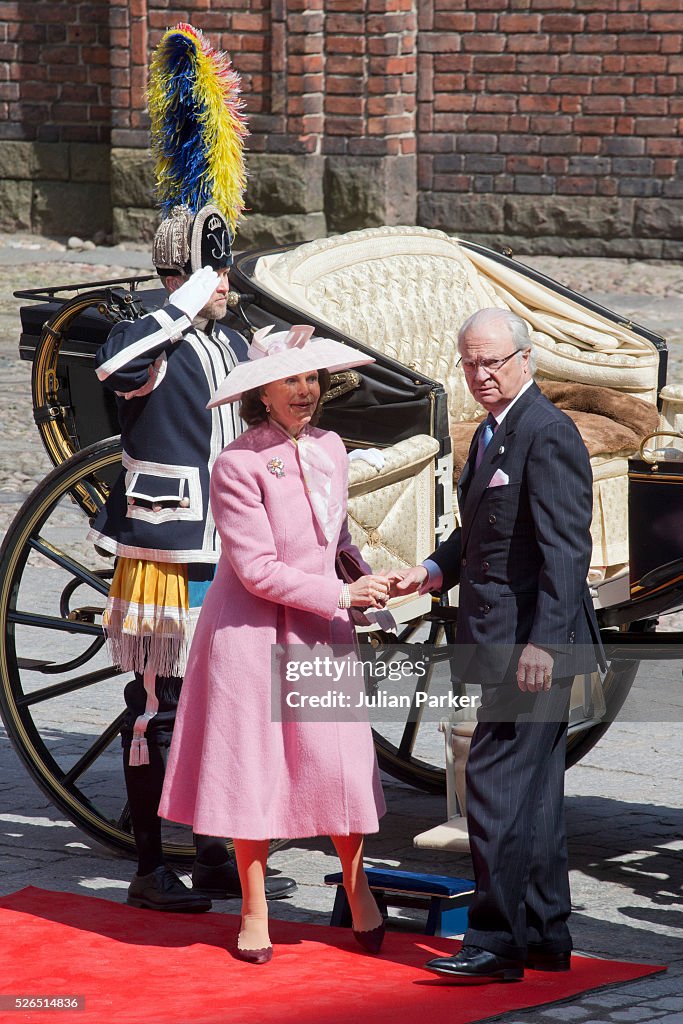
(278, 496)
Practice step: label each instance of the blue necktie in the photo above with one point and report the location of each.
(485, 439)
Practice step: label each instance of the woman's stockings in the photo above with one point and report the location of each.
(364, 909)
(251, 855)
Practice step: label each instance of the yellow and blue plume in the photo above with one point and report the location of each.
(197, 125)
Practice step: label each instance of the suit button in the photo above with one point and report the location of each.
(572, 637)
(485, 566)
(492, 519)
(485, 608)
(464, 562)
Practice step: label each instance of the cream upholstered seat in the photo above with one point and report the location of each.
(406, 291)
(391, 513)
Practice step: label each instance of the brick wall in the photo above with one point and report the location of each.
(550, 125)
(55, 117)
(559, 118)
(55, 82)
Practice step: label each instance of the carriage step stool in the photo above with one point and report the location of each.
(446, 898)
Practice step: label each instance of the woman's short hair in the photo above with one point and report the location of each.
(253, 411)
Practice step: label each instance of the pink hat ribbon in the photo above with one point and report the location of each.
(266, 344)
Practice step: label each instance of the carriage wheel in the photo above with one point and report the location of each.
(413, 750)
(61, 698)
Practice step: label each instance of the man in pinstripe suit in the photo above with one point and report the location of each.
(526, 625)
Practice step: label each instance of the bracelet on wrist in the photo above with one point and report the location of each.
(345, 596)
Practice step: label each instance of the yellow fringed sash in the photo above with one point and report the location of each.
(147, 618)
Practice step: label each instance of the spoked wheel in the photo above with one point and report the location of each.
(410, 746)
(60, 696)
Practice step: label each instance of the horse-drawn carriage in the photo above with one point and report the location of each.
(401, 293)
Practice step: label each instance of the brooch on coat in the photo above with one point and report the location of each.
(276, 467)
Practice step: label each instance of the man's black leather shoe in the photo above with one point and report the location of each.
(475, 964)
(540, 961)
(163, 890)
(222, 882)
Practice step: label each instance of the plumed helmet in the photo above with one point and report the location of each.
(197, 137)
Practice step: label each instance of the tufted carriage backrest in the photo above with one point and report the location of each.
(406, 291)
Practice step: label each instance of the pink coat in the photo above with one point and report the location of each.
(233, 771)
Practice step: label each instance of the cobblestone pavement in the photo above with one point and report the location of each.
(624, 799)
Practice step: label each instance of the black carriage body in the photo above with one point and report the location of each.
(90, 408)
(655, 522)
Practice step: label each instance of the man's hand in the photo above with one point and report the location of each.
(534, 669)
(194, 294)
(406, 581)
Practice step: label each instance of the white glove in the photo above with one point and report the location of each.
(195, 293)
(372, 455)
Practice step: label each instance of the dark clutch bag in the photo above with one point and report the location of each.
(349, 570)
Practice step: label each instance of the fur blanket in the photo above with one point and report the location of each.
(609, 421)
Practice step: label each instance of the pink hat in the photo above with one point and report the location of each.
(285, 354)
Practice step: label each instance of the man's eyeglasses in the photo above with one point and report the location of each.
(490, 365)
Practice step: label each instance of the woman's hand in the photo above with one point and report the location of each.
(369, 592)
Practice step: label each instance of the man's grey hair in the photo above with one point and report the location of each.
(490, 317)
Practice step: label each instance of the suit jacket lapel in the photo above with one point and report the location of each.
(478, 480)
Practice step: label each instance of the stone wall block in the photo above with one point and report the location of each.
(461, 214)
(659, 218)
(131, 224)
(570, 216)
(15, 205)
(16, 160)
(90, 162)
(365, 192)
(400, 184)
(258, 229)
(50, 161)
(671, 251)
(284, 184)
(64, 208)
(132, 178)
(549, 245)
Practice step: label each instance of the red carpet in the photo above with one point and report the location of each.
(141, 967)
